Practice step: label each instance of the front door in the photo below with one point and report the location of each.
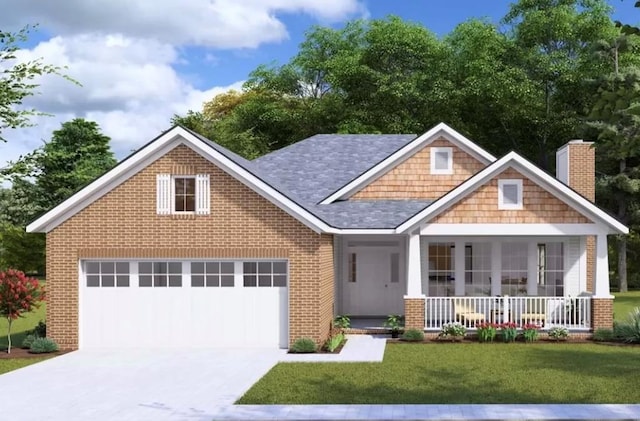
(374, 285)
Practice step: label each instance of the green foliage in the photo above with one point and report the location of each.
(394, 322)
(629, 330)
(486, 332)
(303, 346)
(20, 249)
(530, 332)
(603, 335)
(17, 80)
(558, 333)
(509, 332)
(40, 330)
(413, 335)
(28, 340)
(334, 342)
(43, 346)
(342, 321)
(454, 331)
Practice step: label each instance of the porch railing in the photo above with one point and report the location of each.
(547, 312)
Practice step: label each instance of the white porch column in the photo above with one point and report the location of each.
(601, 272)
(532, 268)
(496, 267)
(459, 267)
(414, 273)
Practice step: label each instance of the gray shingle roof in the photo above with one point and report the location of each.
(361, 214)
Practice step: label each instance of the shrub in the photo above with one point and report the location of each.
(509, 332)
(558, 333)
(334, 342)
(342, 322)
(28, 340)
(530, 332)
(453, 330)
(303, 346)
(43, 346)
(603, 335)
(40, 330)
(629, 331)
(413, 335)
(486, 332)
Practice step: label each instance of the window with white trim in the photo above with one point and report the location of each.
(264, 274)
(182, 194)
(441, 160)
(160, 274)
(510, 194)
(107, 274)
(212, 274)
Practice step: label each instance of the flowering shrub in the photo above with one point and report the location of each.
(487, 331)
(18, 294)
(559, 333)
(530, 332)
(509, 331)
(453, 330)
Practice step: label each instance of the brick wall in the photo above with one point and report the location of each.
(602, 313)
(411, 179)
(414, 313)
(242, 224)
(481, 206)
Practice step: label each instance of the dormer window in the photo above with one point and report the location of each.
(182, 194)
(510, 194)
(441, 160)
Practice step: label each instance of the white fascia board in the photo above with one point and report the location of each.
(510, 230)
(556, 187)
(404, 153)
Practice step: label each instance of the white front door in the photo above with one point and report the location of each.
(374, 285)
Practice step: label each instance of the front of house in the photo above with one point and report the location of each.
(185, 244)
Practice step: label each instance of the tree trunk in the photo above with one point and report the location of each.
(622, 263)
(9, 319)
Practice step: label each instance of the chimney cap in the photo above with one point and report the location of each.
(578, 141)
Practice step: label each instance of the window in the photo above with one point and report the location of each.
(265, 274)
(551, 269)
(514, 268)
(107, 274)
(441, 269)
(212, 274)
(160, 274)
(441, 160)
(352, 267)
(395, 268)
(510, 194)
(477, 269)
(184, 194)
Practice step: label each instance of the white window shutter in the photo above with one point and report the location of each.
(202, 194)
(163, 194)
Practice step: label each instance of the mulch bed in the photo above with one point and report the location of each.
(322, 350)
(519, 340)
(24, 353)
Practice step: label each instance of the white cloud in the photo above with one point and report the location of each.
(214, 23)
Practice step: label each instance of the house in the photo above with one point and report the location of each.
(185, 243)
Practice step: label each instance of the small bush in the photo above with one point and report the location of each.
(509, 332)
(334, 342)
(303, 346)
(413, 335)
(629, 330)
(43, 346)
(40, 331)
(603, 335)
(530, 332)
(27, 341)
(342, 322)
(486, 332)
(558, 333)
(453, 330)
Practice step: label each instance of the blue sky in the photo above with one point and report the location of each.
(141, 62)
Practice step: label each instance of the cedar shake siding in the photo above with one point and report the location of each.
(124, 224)
(481, 206)
(412, 179)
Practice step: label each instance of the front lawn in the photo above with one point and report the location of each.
(10, 365)
(439, 373)
(624, 303)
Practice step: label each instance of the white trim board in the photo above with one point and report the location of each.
(441, 130)
(510, 230)
(544, 180)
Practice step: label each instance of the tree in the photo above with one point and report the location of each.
(18, 81)
(19, 294)
(616, 117)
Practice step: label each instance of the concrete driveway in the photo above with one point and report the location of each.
(133, 385)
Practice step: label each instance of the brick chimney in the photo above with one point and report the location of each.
(576, 167)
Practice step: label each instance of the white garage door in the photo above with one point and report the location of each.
(183, 304)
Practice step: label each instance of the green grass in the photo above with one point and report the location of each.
(10, 365)
(459, 374)
(624, 303)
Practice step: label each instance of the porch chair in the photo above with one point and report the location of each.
(465, 313)
(530, 316)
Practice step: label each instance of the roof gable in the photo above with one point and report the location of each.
(552, 185)
(391, 161)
